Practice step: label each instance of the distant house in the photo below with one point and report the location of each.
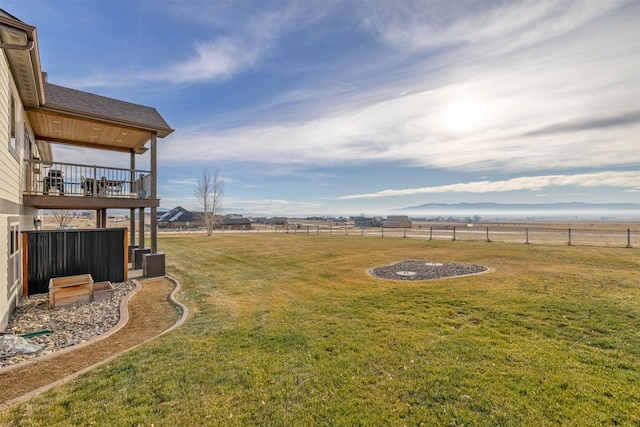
(364, 222)
(179, 217)
(270, 221)
(397, 221)
(236, 222)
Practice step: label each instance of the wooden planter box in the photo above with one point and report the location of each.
(70, 290)
(102, 291)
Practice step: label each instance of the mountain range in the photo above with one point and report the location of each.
(537, 209)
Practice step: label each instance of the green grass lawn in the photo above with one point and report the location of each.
(291, 330)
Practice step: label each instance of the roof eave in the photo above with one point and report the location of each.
(161, 132)
(29, 51)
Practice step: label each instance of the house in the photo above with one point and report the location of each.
(397, 221)
(179, 217)
(364, 222)
(35, 115)
(236, 222)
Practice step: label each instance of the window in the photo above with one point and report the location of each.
(28, 143)
(13, 140)
(12, 125)
(29, 182)
(14, 257)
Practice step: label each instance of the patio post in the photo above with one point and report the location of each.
(141, 227)
(132, 211)
(101, 218)
(154, 194)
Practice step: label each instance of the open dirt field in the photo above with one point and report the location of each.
(49, 222)
(543, 232)
(552, 232)
(588, 233)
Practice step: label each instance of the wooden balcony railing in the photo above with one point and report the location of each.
(69, 179)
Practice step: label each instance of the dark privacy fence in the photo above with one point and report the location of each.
(56, 253)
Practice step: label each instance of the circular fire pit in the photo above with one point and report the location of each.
(425, 270)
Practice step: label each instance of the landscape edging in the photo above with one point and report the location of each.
(184, 313)
(124, 318)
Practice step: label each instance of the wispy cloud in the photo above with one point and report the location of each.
(632, 118)
(236, 42)
(271, 202)
(523, 101)
(501, 26)
(270, 206)
(630, 180)
(234, 51)
(183, 182)
(215, 60)
(518, 88)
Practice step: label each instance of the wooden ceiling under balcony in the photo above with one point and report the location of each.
(59, 128)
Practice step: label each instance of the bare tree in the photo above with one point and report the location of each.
(209, 193)
(62, 218)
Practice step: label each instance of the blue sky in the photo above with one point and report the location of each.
(342, 108)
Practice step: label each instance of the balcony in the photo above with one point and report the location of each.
(55, 185)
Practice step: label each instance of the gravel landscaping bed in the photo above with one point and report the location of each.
(424, 270)
(68, 326)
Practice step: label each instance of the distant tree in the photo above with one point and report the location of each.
(62, 218)
(209, 193)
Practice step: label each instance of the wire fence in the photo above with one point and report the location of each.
(578, 236)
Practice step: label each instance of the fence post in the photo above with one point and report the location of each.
(330, 229)
(569, 237)
(404, 236)
(526, 236)
(318, 231)
(628, 237)
(362, 231)
(382, 231)
(454, 234)
(430, 233)
(488, 235)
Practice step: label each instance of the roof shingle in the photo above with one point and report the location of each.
(60, 98)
